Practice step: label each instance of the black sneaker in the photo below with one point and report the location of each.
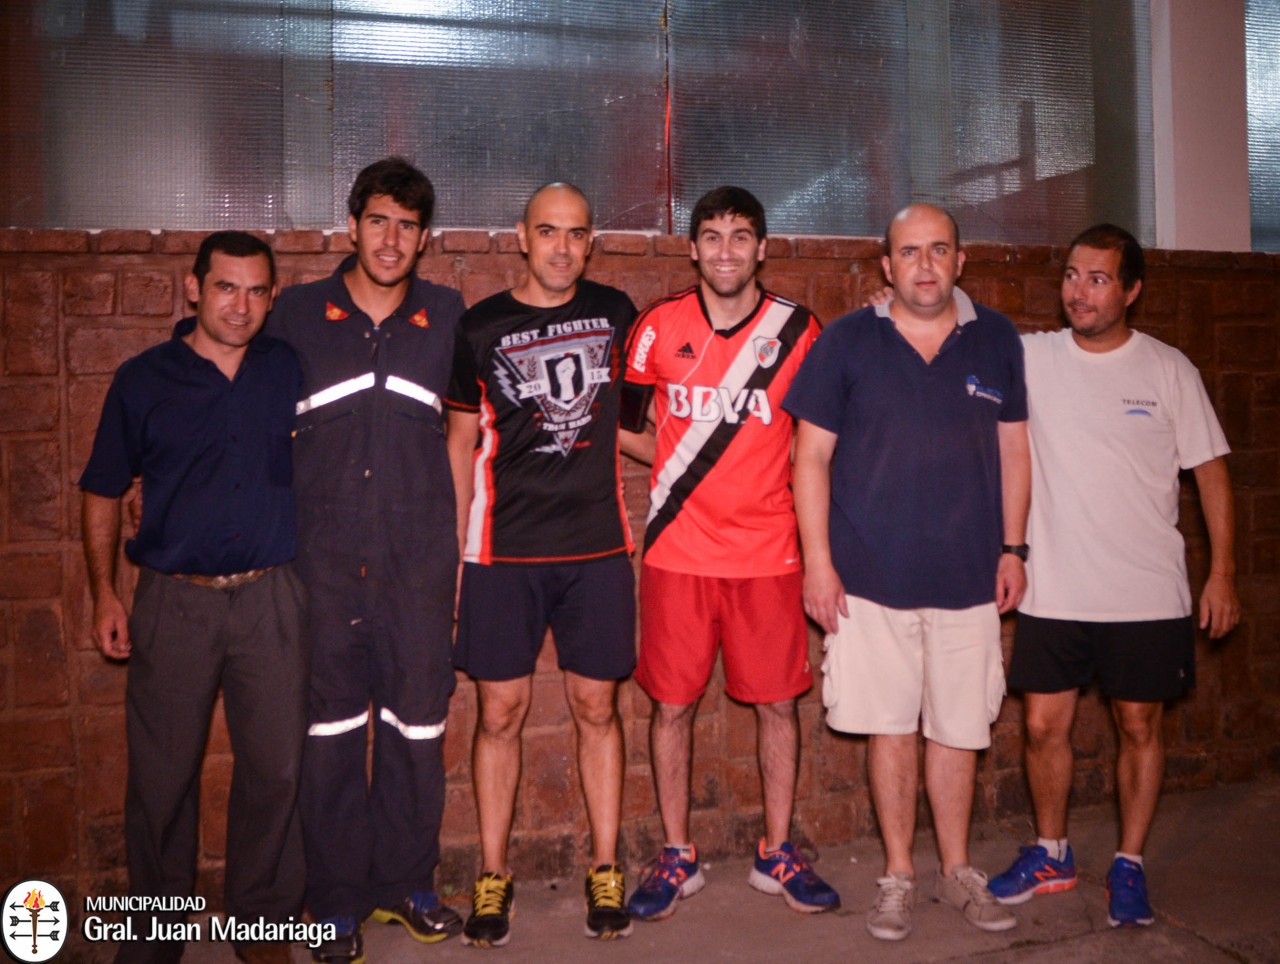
(423, 916)
(345, 947)
(607, 915)
(491, 911)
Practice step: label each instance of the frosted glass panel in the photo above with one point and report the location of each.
(1262, 38)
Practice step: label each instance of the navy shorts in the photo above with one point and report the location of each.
(504, 613)
(1141, 662)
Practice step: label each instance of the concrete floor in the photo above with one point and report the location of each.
(1213, 869)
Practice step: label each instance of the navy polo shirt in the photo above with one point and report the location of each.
(916, 515)
(213, 453)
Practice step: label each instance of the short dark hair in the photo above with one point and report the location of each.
(728, 200)
(1109, 237)
(563, 186)
(955, 226)
(397, 179)
(237, 244)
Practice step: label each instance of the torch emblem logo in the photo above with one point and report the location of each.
(36, 921)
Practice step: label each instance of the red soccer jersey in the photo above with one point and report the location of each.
(720, 491)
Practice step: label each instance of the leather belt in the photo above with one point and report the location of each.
(233, 581)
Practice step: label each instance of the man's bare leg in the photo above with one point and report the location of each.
(892, 769)
(778, 739)
(1049, 758)
(593, 706)
(671, 750)
(949, 776)
(1139, 769)
(495, 764)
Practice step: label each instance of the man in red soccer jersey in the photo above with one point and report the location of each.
(721, 559)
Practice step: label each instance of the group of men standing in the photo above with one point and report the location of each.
(416, 437)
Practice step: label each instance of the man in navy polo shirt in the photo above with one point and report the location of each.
(205, 420)
(912, 482)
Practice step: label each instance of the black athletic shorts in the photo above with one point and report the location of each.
(1142, 662)
(504, 613)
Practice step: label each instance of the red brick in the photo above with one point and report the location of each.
(1005, 295)
(462, 242)
(99, 681)
(122, 242)
(476, 286)
(1158, 297)
(28, 406)
(1266, 511)
(299, 242)
(9, 825)
(147, 293)
(88, 292)
(30, 575)
(47, 815)
(791, 285)
(340, 243)
(459, 821)
(1233, 401)
(34, 491)
(1248, 344)
(506, 242)
(1232, 296)
(613, 242)
(36, 744)
(549, 795)
(844, 249)
(1034, 253)
(99, 350)
(1217, 260)
(1042, 297)
(181, 242)
(40, 675)
(549, 706)
(30, 323)
(985, 252)
(103, 762)
(84, 408)
(38, 241)
(671, 245)
(779, 249)
(1195, 330)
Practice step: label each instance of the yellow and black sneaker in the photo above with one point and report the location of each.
(423, 916)
(607, 916)
(491, 911)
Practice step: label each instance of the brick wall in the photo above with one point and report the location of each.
(74, 305)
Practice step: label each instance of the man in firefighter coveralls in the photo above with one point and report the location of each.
(379, 555)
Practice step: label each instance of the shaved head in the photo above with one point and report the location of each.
(558, 186)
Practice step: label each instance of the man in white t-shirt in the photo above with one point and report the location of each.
(1114, 416)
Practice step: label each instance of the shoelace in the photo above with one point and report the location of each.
(1027, 860)
(893, 894)
(491, 894)
(975, 885)
(606, 889)
(666, 867)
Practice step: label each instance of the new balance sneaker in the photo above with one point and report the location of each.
(491, 911)
(664, 880)
(423, 916)
(890, 917)
(1034, 872)
(787, 872)
(966, 889)
(1127, 904)
(607, 915)
(345, 947)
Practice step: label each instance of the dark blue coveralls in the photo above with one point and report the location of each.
(377, 550)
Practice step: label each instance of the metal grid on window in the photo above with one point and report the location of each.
(1262, 44)
(1029, 120)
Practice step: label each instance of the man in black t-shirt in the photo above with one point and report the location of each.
(533, 443)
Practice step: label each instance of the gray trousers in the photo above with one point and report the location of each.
(189, 642)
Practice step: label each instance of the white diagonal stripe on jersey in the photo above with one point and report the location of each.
(735, 379)
(402, 386)
(335, 392)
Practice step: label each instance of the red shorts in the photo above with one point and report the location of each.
(760, 622)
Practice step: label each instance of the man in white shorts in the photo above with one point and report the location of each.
(913, 531)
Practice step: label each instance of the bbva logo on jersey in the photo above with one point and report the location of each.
(714, 403)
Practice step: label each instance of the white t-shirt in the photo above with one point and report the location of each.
(1109, 433)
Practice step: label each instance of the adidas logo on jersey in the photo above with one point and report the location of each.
(685, 351)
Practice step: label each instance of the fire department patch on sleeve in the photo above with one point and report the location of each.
(420, 319)
(333, 313)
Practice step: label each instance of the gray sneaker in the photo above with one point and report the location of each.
(890, 917)
(966, 890)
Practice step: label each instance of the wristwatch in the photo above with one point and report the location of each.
(1021, 551)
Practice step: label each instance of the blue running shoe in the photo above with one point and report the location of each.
(345, 947)
(785, 871)
(1034, 872)
(664, 881)
(1127, 904)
